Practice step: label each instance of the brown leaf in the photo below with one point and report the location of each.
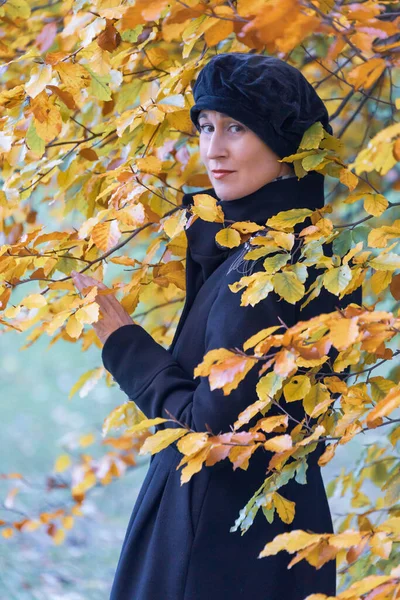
(109, 39)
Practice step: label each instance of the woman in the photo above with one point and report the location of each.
(251, 111)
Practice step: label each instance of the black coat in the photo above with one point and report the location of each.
(178, 545)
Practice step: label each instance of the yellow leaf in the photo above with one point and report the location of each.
(269, 424)
(258, 337)
(62, 463)
(284, 240)
(367, 73)
(220, 29)
(58, 536)
(380, 544)
(126, 414)
(88, 482)
(292, 541)
(248, 413)
(285, 508)
(380, 280)
(375, 204)
(390, 525)
(257, 290)
(317, 433)
(347, 539)
(145, 424)
(88, 313)
(206, 208)
(31, 525)
(12, 311)
(343, 332)
(73, 75)
(86, 382)
(106, 235)
(274, 263)
(161, 439)
(195, 464)
(287, 219)
(227, 237)
(34, 301)
(192, 443)
(287, 285)
(210, 358)
(74, 327)
(7, 532)
(67, 522)
(17, 8)
(348, 178)
(174, 224)
(297, 388)
(314, 160)
(230, 372)
(351, 356)
(47, 117)
(380, 387)
(150, 164)
(40, 76)
(385, 406)
(385, 262)
(379, 236)
(317, 395)
(327, 455)
(57, 321)
(246, 227)
(336, 279)
(361, 587)
(86, 440)
(279, 443)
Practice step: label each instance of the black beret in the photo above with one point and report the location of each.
(266, 94)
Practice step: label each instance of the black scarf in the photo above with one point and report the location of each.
(203, 254)
(273, 197)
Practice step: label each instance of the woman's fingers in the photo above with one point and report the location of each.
(109, 305)
(83, 281)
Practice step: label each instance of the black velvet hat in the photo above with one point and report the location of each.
(264, 93)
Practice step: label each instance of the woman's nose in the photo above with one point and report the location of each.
(216, 146)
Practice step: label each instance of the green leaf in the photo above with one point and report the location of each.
(360, 234)
(268, 385)
(33, 141)
(269, 513)
(98, 86)
(310, 162)
(312, 136)
(131, 35)
(342, 243)
(274, 263)
(301, 472)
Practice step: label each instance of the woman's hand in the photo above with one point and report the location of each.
(112, 312)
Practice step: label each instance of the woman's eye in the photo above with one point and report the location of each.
(203, 126)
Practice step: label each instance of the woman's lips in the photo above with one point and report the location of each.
(220, 174)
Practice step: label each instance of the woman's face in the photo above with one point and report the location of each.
(226, 143)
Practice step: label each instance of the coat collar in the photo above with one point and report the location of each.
(283, 193)
(203, 255)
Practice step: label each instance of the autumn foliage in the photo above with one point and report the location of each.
(96, 139)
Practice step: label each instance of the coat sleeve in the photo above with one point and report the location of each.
(155, 381)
